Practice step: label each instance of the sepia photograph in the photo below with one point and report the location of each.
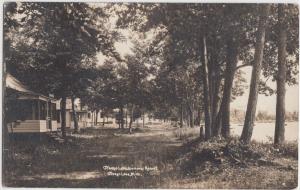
(150, 95)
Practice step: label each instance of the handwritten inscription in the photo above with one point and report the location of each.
(130, 171)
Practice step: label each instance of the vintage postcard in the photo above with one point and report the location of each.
(150, 95)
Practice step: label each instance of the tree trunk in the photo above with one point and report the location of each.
(5, 135)
(216, 101)
(201, 133)
(126, 116)
(92, 115)
(231, 63)
(74, 115)
(200, 115)
(258, 57)
(95, 117)
(131, 119)
(206, 93)
(181, 116)
(191, 115)
(218, 123)
(143, 119)
(187, 117)
(122, 117)
(215, 72)
(63, 116)
(281, 78)
(96, 121)
(192, 119)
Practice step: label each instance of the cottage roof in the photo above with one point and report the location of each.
(13, 83)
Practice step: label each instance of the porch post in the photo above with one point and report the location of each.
(33, 110)
(39, 109)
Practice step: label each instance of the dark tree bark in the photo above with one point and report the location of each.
(192, 120)
(231, 63)
(215, 82)
(96, 119)
(201, 133)
(187, 118)
(191, 115)
(94, 115)
(181, 116)
(206, 92)
(143, 119)
(281, 78)
(258, 57)
(74, 116)
(63, 116)
(126, 115)
(217, 123)
(122, 117)
(5, 135)
(216, 103)
(211, 82)
(200, 111)
(131, 119)
(221, 120)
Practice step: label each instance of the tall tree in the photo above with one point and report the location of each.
(231, 63)
(74, 114)
(281, 76)
(206, 92)
(9, 23)
(183, 24)
(258, 57)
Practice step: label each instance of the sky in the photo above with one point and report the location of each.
(268, 103)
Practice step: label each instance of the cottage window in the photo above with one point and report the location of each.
(23, 110)
(53, 111)
(35, 110)
(43, 110)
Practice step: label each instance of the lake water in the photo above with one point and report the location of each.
(262, 131)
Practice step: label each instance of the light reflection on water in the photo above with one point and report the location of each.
(262, 131)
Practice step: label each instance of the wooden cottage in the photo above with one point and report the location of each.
(27, 111)
(83, 116)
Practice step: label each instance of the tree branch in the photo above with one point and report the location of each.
(244, 65)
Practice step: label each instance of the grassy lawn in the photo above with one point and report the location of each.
(179, 157)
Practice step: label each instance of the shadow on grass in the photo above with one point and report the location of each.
(80, 162)
(112, 131)
(103, 182)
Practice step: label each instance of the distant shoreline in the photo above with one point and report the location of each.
(269, 121)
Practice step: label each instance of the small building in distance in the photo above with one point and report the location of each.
(83, 115)
(28, 111)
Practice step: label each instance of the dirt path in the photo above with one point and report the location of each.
(87, 161)
(148, 158)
